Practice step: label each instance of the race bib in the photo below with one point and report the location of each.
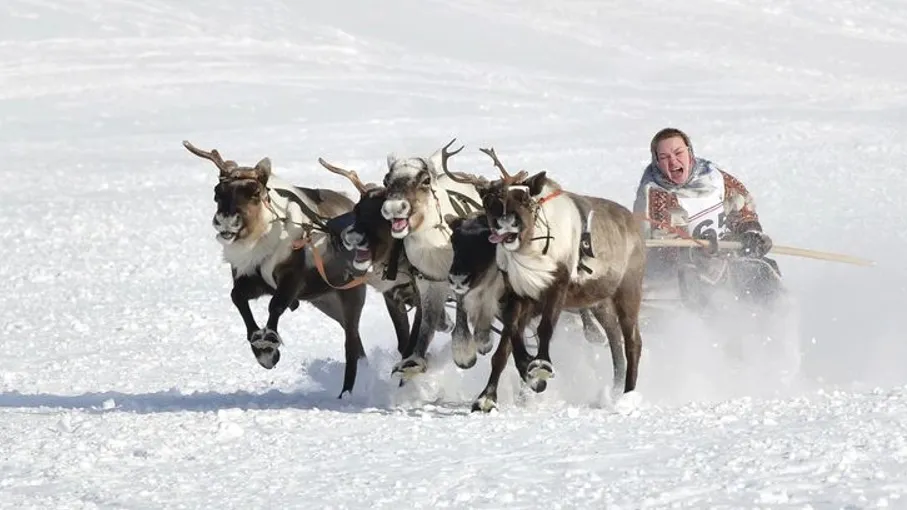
(705, 214)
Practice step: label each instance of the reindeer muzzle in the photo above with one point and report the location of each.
(459, 283)
(227, 227)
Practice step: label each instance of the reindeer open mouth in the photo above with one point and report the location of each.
(227, 226)
(399, 227)
(226, 236)
(357, 243)
(507, 234)
(507, 238)
(362, 259)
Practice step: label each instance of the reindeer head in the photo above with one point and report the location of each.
(410, 204)
(473, 252)
(511, 205)
(366, 233)
(241, 195)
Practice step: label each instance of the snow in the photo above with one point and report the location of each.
(125, 378)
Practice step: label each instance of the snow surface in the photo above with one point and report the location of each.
(127, 381)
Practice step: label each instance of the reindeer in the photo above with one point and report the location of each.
(480, 288)
(561, 251)
(418, 196)
(267, 229)
(366, 234)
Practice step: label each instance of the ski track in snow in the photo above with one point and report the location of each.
(125, 380)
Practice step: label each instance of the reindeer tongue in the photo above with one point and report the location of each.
(495, 238)
(399, 224)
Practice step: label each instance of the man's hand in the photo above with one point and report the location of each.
(754, 244)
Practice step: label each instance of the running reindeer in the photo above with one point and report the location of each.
(480, 288)
(367, 235)
(560, 251)
(268, 231)
(419, 195)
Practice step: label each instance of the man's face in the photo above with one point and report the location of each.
(673, 158)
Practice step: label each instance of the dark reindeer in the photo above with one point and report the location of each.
(268, 230)
(367, 235)
(540, 231)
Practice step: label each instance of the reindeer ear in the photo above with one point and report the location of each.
(536, 183)
(391, 159)
(452, 221)
(434, 163)
(263, 170)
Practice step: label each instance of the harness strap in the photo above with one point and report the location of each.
(316, 218)
(554, 194)
(301, 243)
(393, 264)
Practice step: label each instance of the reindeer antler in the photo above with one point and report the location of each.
(349, 174)
(214, 156)
(508, 179)
(445, 155)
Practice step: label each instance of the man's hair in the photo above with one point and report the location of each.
(666, 133)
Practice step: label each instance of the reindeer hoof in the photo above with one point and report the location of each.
(265, 343)
(537, 374)
(410, 367)
(464, 351)
(484, 404)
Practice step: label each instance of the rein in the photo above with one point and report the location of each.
(538, 207)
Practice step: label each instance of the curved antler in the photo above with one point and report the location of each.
(508, 179)
(445, 155)
(349, 174)
(214, 156)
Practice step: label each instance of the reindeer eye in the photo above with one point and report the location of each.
(425, 182)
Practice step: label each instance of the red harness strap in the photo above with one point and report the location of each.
(300, 244)
(554, 194)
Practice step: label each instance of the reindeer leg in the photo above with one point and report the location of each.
(540, 369)
(628, 301)
(432, 296)
(344, 308)
(400, 320)
(482, 333)
(514, 320)
(352, 301)
(244, 290)
(488, 399)
(606, 315)
(462, 343)
(266, 341)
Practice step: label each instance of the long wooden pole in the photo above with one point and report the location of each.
(780, 250)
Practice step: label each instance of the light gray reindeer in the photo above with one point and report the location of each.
(419, 194)
(549, 267)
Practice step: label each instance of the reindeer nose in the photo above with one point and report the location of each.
(395, 209)
(351, 237)
(508, 220)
